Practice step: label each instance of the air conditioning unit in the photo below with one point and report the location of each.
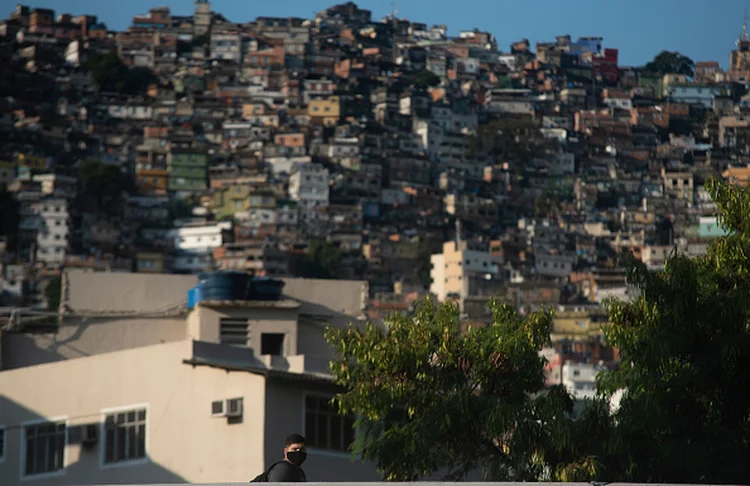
(90, 434)
(233, 407)
(217, 408)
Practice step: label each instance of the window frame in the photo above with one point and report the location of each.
(103, 436)
(22, 451)
(317, 450)
(3, 443)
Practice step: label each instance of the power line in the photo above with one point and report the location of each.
(76, 417)
(17, 315)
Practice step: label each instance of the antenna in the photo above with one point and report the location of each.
(744, 37)
(394, 11)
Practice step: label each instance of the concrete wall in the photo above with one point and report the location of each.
(204, 324)
(112, 292)
(328, 297)
(311, 340)
(184, 443)
(79, 338)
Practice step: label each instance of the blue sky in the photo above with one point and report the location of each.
(701, 29)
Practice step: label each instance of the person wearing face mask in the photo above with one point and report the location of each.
(289, 470)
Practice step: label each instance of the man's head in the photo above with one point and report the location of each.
(294, 449)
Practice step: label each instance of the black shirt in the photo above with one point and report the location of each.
(286, 472)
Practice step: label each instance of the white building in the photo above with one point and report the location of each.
(226, 46)
(193, 245)
(127, 110)
(693, 94)
(57, 185)
(552, 264)
(441, 144)
(308, 185)
(316, 89)
(580, 379)
(514, 101)
(48, 217)
(341, 148)
(74, 53)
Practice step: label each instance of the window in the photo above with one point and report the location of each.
(324, 427)
(272, 343)
(44, 448)
(2, 442)
(125, 436)
(235, 332)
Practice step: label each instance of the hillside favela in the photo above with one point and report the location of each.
(348, 247)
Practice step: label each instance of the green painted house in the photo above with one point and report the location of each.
(187, 170)
(241, 197)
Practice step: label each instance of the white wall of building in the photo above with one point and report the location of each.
(580, 379)
(309, 184)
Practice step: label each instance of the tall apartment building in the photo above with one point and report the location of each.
(47, 220)
(201, 17)
(464, 269)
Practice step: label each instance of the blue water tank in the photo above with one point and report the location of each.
(266, 288)
(225, 286)
(194, 296)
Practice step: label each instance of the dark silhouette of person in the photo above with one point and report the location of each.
(289, 470)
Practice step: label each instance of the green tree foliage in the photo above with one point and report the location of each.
(427, 247)
(668, 62)
(322, 260)
(685, 346)
(473, 397)
(426, 79)
(201, 40)
(102, 186)
(111, 74)
(547, 205)
(53, 293)
(9, 216)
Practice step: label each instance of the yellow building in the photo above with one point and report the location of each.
(33, 162)
(575, 325)
(152, 181)
(325, 111)
(230, 199)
